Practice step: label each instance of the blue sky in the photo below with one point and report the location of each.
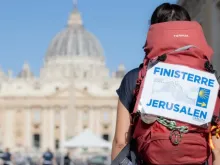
(27, 27)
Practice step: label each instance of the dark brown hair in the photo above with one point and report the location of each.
(169, 12)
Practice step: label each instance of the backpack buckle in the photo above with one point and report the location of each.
(175, 136)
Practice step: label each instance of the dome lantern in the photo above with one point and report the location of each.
(75, 17)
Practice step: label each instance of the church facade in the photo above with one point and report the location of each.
(73, 92)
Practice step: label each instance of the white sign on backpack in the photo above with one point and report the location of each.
(179, 92)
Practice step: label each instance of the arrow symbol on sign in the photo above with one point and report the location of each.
(202, 104)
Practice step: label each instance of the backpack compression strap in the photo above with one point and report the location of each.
(139, 85)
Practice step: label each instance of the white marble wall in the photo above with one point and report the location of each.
(65, 67)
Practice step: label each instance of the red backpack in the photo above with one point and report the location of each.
(168, 141)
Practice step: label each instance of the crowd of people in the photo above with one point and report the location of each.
(48, 158)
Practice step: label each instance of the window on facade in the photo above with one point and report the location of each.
(37, 86)
(57, 116)
(18, 133)
(85, 74)
(57, 89)
(57, 143)
(36, 126)
(105, 126)
(36, 140)
(105, 137)
(105, 86)
(105, 116)
(85, 89)
(37, 116)
(18, 119)
(85, 116)
(75, 75)
(66, 72)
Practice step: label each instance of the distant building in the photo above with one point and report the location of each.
(207, 13)
(73, 92)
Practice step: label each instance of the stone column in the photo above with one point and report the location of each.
(45, 129)
(62, 129)
(28, 129)
(51, 129)
(9, 131)
(92, 119)
(78, 123)
(97, 122)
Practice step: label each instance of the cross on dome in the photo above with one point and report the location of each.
(75, 3)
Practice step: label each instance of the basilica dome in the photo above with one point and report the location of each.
(74, 40)
(74, 52)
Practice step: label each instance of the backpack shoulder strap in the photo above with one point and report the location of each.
(139, 86)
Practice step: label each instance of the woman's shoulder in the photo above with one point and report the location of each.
(130, 78)
(132, 74)
(133, 71)
(127, 87)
